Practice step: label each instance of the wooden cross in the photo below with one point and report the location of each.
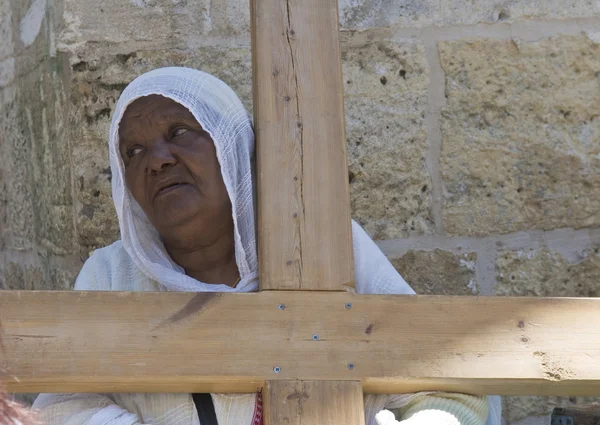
(306, 340)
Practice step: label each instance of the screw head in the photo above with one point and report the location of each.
(315, 337)
(281, 307)
(276, 369)
(350, 366)
(348, 305)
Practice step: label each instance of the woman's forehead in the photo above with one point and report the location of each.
(154, 107)
(153, 104)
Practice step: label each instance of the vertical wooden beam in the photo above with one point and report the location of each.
(304, 231)
(313, 402)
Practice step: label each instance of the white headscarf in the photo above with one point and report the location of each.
(221, 113)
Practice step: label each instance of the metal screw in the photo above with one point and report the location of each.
(350, 366)
(315, 337)
(281, 306)
(276, 369)
(348, 305)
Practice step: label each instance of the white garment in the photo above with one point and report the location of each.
(141, 263)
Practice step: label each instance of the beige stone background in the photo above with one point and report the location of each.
(473, 134)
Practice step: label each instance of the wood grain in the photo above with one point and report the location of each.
(304, 231)
(313, 402)
(181, 342)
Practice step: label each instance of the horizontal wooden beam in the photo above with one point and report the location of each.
(182, 342)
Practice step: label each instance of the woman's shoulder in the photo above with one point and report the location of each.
(115, 249)
(111, 269)
(108, 259)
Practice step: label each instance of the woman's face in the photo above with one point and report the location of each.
(171, 167)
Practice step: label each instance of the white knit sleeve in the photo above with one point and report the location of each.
(95, 274)
(439, 409)
(81, 409)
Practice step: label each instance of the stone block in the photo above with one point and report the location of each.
(34, 153)
(16, 167)
(546, 273)
(364, 14)
(515, 409)
(438, 272)
(43, 274)
(23, 276)
(153, 24)
(385, 87)
(521, 135)
(6, 29)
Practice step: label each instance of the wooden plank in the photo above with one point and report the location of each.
(102, 341)
(313, 402)
(304, 231)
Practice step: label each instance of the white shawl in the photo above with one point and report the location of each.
(141, 263)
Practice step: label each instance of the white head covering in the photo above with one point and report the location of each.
(221, 113)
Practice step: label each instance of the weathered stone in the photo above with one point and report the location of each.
(21, 276)
(152, 24)
(6, 29)
(521, 135)
(385, 102)
(61, 276)
(545, 273)
(43, 275)
(18, 197)
(33, 33)
(36, 201)
(363, 14)
(96, 86)
(438, 272)
(518, 408)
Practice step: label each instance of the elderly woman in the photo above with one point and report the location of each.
(181, 154)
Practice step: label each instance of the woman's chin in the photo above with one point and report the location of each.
(175, 213)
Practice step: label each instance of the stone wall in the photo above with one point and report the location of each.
(473, 134)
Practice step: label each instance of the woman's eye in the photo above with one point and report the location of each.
(179, 131)
(133, 151)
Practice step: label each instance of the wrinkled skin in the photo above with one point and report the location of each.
(172, 171)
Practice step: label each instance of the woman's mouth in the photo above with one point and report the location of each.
(170, 188)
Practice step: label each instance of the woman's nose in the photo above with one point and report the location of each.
(159, 157)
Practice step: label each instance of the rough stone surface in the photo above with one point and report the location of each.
(438, 272)
(35, 163)
(385, 101)
(517, 408)
(545, 273)
(363, 14)
(521, 135)
(160, 23)
(183, 24)
(45, 275)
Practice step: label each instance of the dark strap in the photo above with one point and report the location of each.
(206, 408)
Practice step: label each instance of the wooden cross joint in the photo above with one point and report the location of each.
(312, 353)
